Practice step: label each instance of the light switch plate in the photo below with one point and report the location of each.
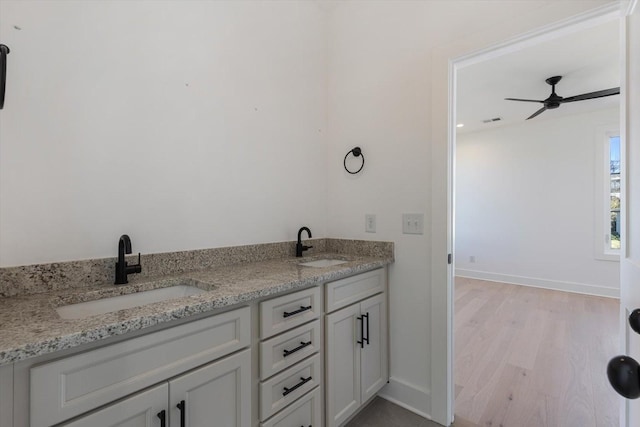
(413, 223)
(370, 223)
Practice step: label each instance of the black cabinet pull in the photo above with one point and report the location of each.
(293, 313)
(361, 342)
(367, 338)
(302, 382)
(163, 418)
(4, 51)
(182, 406)
(298, 348)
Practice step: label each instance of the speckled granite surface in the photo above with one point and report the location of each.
(30, 326)
(31, 279)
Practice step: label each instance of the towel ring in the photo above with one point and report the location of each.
(357, 152)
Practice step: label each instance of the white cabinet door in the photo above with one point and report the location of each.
(373, 356)
(343, 364)
(356, 352)
(144, 409)
(216, 395)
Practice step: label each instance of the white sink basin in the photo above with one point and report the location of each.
(120, 302)
(323, 263)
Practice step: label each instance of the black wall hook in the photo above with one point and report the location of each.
(357, 152)
(4, 51)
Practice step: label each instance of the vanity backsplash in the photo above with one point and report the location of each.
(37, 278)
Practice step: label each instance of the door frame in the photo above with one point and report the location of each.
(447, 60)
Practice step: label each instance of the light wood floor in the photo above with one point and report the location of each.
(527, 357)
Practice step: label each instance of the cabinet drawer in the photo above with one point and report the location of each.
(71, 386)
(305, 412)
(142, 409)
(288, 311)
(287, 349)
(284, 388)
(346, 291)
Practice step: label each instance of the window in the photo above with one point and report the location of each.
(607, 193)
(614, 192)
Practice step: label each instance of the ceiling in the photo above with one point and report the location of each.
(588, 60)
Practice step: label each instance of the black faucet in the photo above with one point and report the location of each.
(299, 246)
(122, 269)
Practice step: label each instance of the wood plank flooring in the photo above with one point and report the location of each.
(527, 357)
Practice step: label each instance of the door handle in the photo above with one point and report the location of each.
(367, 327)
(624, 376)
(182, 407)
(163, 418)
(634, 320)
(4, 51)
(361, 319)
(624, 371)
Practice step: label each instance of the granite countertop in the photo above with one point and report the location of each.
(30, 325)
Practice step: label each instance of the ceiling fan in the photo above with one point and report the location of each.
(554, 101)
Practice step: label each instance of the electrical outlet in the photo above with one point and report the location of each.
(370, 223)
(413, 223)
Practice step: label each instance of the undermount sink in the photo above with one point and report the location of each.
(323, 263)
(107, 305)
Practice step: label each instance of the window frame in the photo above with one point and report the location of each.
(602, 241)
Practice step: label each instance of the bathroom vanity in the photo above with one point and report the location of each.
(270, 344)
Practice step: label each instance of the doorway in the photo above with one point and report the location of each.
(518, 206)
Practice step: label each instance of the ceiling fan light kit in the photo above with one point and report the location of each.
(554, 100)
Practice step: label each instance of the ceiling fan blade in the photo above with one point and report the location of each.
(591, 95)
(525, 100)
(540, 111)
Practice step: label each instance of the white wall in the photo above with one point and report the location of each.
(526, 204)
(388, 64)
(185, 124)
(90, 83)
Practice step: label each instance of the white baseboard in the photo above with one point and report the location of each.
(408, 396)
(556, 285)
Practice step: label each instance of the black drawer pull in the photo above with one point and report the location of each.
(302, 382)
(293, 313)
(163, 418)
(182, 407)
(298, 348)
